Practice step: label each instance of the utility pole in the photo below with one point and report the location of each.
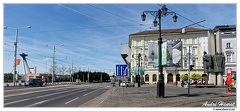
(101, 76)
(15, 58)
(54, 50)
(72, 71)
(88, 73)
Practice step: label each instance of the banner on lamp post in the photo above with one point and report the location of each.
(17, 61)
(164, 53)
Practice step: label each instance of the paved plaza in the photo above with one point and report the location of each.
(175, 96)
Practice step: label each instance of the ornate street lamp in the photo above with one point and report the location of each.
(158, 14)
(139, 78)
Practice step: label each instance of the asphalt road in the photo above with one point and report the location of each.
(53, 96)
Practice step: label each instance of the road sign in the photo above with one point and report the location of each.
(121, 70)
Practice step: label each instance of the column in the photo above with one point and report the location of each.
(219, 50)
(211, 51)
(174, 78)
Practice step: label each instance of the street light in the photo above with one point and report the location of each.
(54, 50)
(15, 52)
(139, 78)
(158, 14)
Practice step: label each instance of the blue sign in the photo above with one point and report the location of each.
(122, 70)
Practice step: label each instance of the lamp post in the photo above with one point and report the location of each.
(158, 14)
(53, 72)
(15, 52)
(139, 78)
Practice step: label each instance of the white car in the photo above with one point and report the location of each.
(127, 84)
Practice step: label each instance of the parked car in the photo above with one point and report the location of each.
(127, 84)
(34, 82)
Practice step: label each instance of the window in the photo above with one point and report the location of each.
(185, 51)
(185, 63)
(146, 77)
(228, 45)
(185, 41)
(137, 52)
(154, 77)
(193, 41)
(138, 43)
(193, 51)
(229, 58)
(194, 62)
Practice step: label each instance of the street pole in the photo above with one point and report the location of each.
(160, 84)
(72, 71)
(189, 71)
(139, 78)
(161, 12)
(88, 73)
(15, 53)
(54, 50)
(101, 77)
(15, 57)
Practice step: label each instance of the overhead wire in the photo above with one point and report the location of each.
(185, 17)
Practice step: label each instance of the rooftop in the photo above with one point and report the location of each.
(165, 31)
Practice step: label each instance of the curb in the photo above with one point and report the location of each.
(96, 102)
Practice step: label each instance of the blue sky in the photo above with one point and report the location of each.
(91, 34)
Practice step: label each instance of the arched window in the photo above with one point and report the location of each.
(178, 77)
(154, 77)
(146, 77)
(170, 78)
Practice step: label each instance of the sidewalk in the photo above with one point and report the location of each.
(22, 83)
(146, 96)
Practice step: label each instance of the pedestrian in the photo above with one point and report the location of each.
(182, 83)
(46, 82)
(176, 83)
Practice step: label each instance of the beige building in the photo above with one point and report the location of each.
(146, 41)
(33, 76)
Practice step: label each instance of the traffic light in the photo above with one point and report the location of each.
(191, 67)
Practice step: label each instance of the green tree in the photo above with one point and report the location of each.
(196, 76)
(8, 77)
(184, 76)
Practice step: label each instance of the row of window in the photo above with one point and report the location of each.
(228, 45)
(185, 41)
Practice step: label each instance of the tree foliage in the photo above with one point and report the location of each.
(196, 76)
(93, 76)
(184, 76)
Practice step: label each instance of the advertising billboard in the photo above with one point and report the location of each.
(171, 53)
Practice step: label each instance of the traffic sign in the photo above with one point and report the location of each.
(121, 70)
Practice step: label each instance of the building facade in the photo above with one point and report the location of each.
(229, 47)
(179, 43)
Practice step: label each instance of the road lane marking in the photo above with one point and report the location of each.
(37, 103)
(83, 90)
(91, 92)
(29, 92)
(41, 96)
(113, 90)
(16, 101)
(58, 93)
(72, 100)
